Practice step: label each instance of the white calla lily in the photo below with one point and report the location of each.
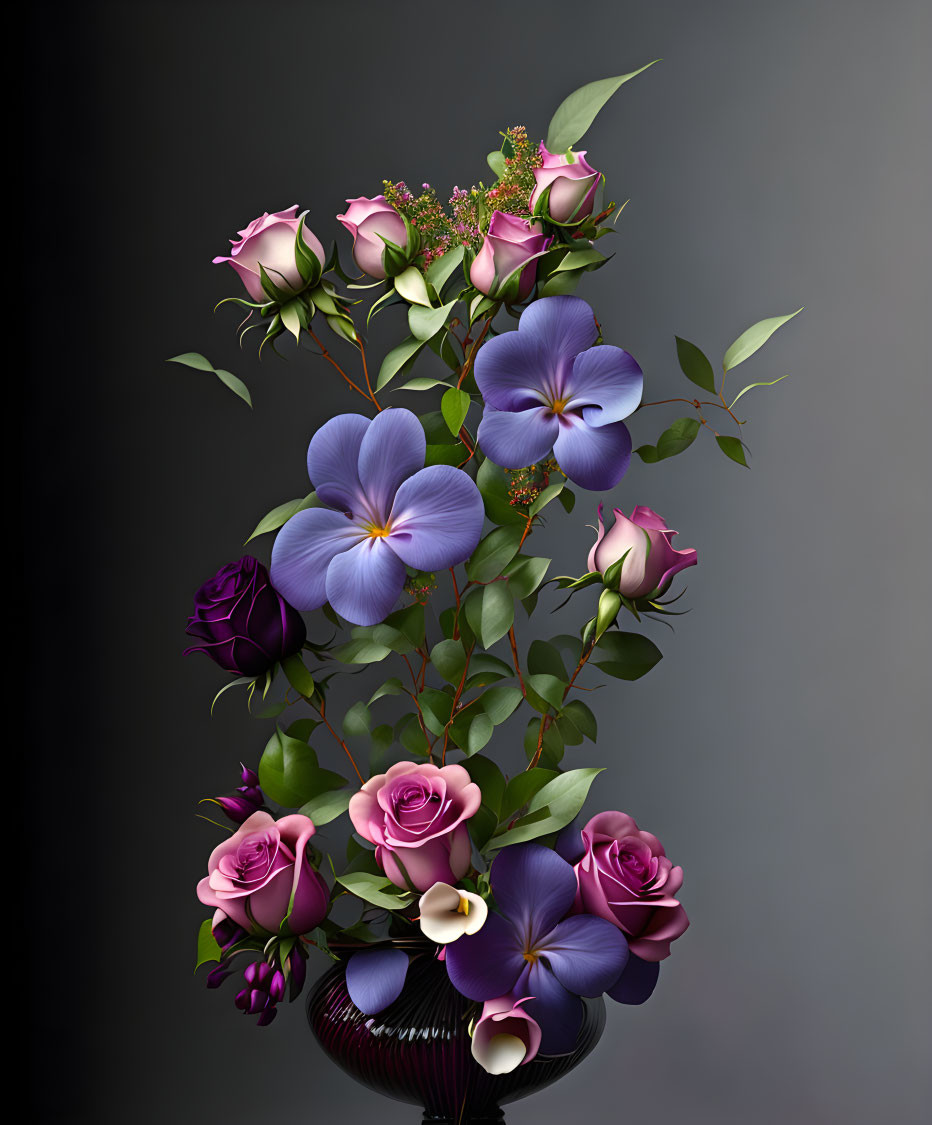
(447, 913)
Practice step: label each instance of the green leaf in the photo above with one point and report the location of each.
(494, 553)
(455, 406)
(391, 686)
(582, 718)
(560, 800)
(357, 721)
(440, 269)
(410, 622)
(543, 657)
(551, 492)
(361, 652)
(396, 359)
(449, 658)
(480, 731)
(422, 383)
(627, 656)
(375, 889)
(576, 259)
(279, 516)
(525, 574)
(732, 448)
(755, 337)
(490, 612)
(436, 707)
(201, 363)
(289, 773)
(648, 454)
(192, 359)
(577, 112)
(522, 787)
(695, 365)
(751, 386)
(326, 807)
(483, 823)
(207, 947)
(494, 489)
(484, 668)
(298, 676)
(426, 322)
(549, 688)
(499, 702)
(496, 161)
(486, 774)
(412, 286)
(679, 436)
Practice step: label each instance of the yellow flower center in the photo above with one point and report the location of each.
(530, 956)
(379, 532)
(559, 405)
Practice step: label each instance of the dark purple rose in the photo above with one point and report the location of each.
(245, 624)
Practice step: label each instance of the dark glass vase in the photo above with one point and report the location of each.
(418, 1049)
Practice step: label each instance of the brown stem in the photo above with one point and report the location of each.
(514, 656)
(320, 711)
(470, 359)
(547, 720)
(329, 358)
(365, 369)
(456, 699)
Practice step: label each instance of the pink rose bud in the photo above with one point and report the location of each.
(261, 871)
(644, 543)
(416, 816)
(507, 259)
(573, 183)
(625, 877)
(269, 241)
(371, 222)
(505, 1036)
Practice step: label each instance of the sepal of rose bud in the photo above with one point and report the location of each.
(217, 976)
(226, 932)
(297, 972)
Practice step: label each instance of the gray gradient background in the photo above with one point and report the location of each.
(778, 156)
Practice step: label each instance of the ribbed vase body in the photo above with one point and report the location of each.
(418, 1049)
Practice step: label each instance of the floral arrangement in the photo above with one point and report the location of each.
(417, 539)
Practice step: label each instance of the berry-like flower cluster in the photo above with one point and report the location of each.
(466, 218)
(526, 484)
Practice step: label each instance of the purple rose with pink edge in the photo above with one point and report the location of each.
(416, 816)
(645, 543)
(261, 877)
(269, 242)
(507, 259)
(564, 187)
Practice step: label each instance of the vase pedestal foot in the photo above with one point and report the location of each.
(497, 1118)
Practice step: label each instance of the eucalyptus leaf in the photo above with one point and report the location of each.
(396, 359)
(576, 113)
(201, 363)
(490, 612)
(426, 322)
(375, 889)
(280, 515)
(412, 286)
(753, 338)
(455, 406)
(494, 552)
(751, 386)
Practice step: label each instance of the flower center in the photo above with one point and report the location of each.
(559, 405)
(530, 956)
(376, 532)
(463, 906)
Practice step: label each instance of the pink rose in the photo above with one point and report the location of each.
(415, 815)
(625, 877)
(650, 562)
(511, 245)
(370, 222)
(573, 183)
(254, 875)
(269, 241)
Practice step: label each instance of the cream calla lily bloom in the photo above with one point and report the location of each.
(448, 913)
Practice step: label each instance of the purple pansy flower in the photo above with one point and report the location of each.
(384, 512)
(547, 387)
(531, 948)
